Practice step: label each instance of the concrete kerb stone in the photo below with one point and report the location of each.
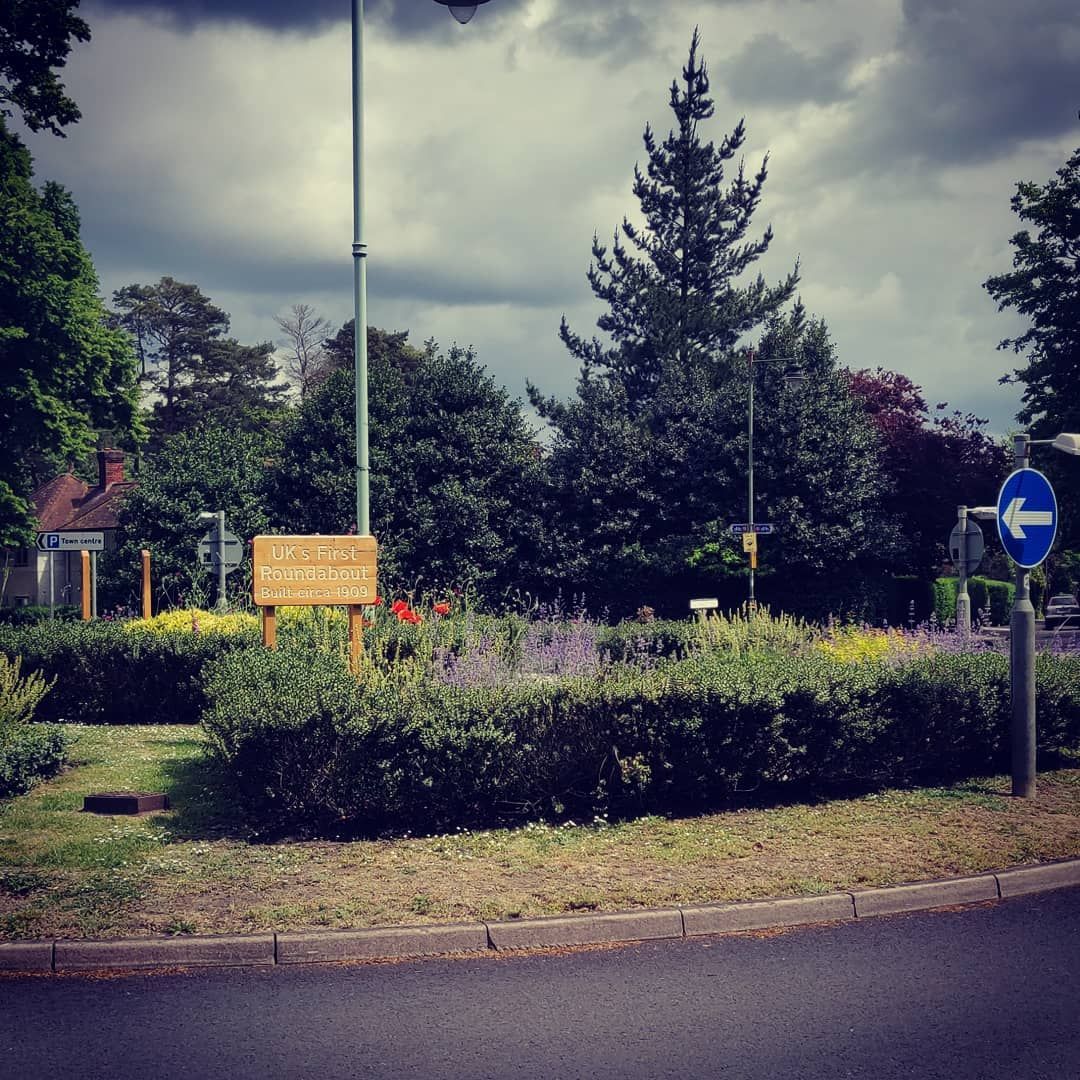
(383, 943)
(1046, 876)
(586, 929)
(925, 894)
(761, 914)
(26, 956)
(218, 951)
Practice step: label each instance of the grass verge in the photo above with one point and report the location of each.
(199, 868)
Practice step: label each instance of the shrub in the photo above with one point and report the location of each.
(28, 751)
(105, 674)
(29, 614)
(315, 747)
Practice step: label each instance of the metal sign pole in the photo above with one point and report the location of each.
(221, 560)
(52, 603)
(1022, 667)
(963, 601)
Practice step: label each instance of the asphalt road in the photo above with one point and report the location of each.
(985, 992)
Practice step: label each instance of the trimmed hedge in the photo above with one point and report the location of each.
(985, 593)
(312, 748)
(108, 675)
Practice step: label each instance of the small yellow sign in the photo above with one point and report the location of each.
(749, 541)
(298, 570)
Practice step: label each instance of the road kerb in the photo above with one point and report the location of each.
(1029, 879)
(761, 914)
(586, 929)
(560, 930)
(26, 955)
(923, 895)
(225, 951)
(382, 943)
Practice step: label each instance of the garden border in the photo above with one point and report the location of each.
(560, 931)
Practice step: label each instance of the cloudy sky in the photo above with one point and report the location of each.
(215, 148)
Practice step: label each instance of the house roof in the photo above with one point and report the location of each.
(66, 502)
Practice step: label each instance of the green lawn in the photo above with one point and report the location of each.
(201, 868)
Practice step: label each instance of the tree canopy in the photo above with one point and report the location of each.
(932, 462)
(1044, 287)
(35, 39)
(209, 467)
(455, 472)
(65, 376)
(193, 370)
(649, 461)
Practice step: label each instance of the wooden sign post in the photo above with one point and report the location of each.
(146, 612)
(306, 571)
(84, 563)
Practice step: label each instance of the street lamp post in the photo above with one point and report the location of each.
(792, 378)
(463, 13)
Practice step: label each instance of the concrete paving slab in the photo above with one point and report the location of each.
(925, 894)
(223, 951)
(26, 955)
(327, 946)
(759, 914)
(1029, 879)
(586, 929)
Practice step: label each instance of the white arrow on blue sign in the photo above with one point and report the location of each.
(1027, 517)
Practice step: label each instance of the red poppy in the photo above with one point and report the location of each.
(441, 609)
(378, 601)
(398, 606)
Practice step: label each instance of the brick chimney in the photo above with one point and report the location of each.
(110, 467)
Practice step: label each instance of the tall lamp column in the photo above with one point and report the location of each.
(463, 13)
(792, 378)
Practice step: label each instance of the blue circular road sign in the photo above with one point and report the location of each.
(1027, 517)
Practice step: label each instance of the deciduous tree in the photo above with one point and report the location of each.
(64, 374)
(1044, 287)
(35, 39)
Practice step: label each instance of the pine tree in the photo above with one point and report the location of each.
(196, 373)
(673, 293)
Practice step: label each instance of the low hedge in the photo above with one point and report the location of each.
(312, 748)
(108, 675)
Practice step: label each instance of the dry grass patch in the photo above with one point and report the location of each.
(196, 868)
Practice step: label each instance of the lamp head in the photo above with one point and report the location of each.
(462, 12)
(1067, 443)
(204, 517)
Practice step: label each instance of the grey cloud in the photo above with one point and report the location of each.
(408, 18)
(771, 72)
(611, 33)
(972, 80)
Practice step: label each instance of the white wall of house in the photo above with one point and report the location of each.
(30, 584)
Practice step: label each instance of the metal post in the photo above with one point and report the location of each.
(52, 586)
(221, 600)
(359, 250)
(963, 601)
(750, 476)
(1022, 668)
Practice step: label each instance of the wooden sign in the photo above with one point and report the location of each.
(289, 571)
